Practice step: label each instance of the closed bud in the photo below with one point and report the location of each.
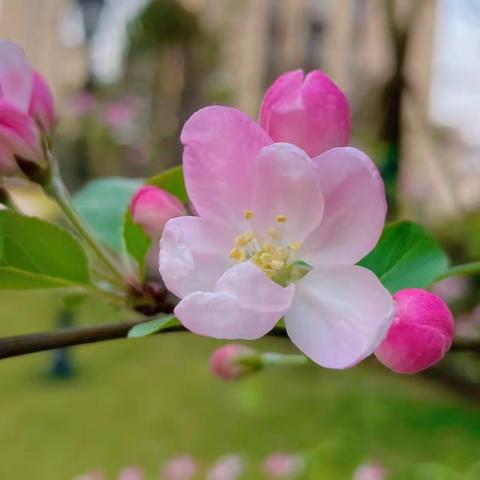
(308, 111)
(153, 207)
(42, 108)
(234, 361)
(421, 332)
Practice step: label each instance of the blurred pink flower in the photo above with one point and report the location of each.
(370, 471)
(83, 103)
(24, 101)
(278, 235)
(452, 288)
(152, 207)
(228, 361)
(119, 114)
(310, 112)
(183, 467)
(421, 332)
(282, 466)
(229, 467)
(131, 473)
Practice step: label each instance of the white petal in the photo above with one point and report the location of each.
(339, 315)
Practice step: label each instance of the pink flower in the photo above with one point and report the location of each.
(421, 332)
(230, 362)
(310, 112)
(183, 467)
(282, 465)
(119, 114)
(83, 103)
(131, 473)
(278, 235)
(229, 467)
(24, 101)
(370, 471)
(42, 107)
(152, 207)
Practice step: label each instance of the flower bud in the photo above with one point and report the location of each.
(282, 466)
(234, 361)
(370, 471)
(311, 112)
(153, 207)
(229, 467)
(131, 473)
(42, 108)
(421, 332)
(20, 87)
(183, 467)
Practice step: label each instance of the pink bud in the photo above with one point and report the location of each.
(131, 473)
(19, 135)
(229, 467)
(233, 361)
(282, 465)
(183, 467)
(95, 475)
(152, 208)
(42, 108)
(421, 332)
(370, 471)
(310, 112)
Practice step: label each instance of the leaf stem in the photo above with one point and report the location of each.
(465, 269)
(57, 190)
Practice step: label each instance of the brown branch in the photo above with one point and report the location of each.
(71, 336)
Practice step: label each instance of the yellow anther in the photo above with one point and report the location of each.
(294, 246)
(281, 218)
(238, 254)
(244, 238)
(265, 258)
(248, 214)
(277, 264)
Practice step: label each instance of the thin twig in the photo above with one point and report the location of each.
(68, 337)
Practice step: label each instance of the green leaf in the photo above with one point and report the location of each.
(39, 247)
(15, 279)
(406, 257)
(137, 242)
(172, 181)
(153, 326)
(102, 204)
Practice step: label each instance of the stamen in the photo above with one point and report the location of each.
(238, 254)
(295, 246)
(248, 214)
(277, 264)
(244, 239)
(265, 258)
(281, 218)
(272, 232)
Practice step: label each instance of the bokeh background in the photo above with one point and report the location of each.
(126, 74)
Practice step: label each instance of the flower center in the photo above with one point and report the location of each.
(267, 252)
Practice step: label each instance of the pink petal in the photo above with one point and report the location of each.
(19, 134)
(194, 253)
(246, 304)
(355, 208)
(339, 315)
(16, 80)
(312, 113)
(285, 183)
(221, 144)
(42, 107)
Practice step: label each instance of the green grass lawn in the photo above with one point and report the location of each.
(142, 401)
